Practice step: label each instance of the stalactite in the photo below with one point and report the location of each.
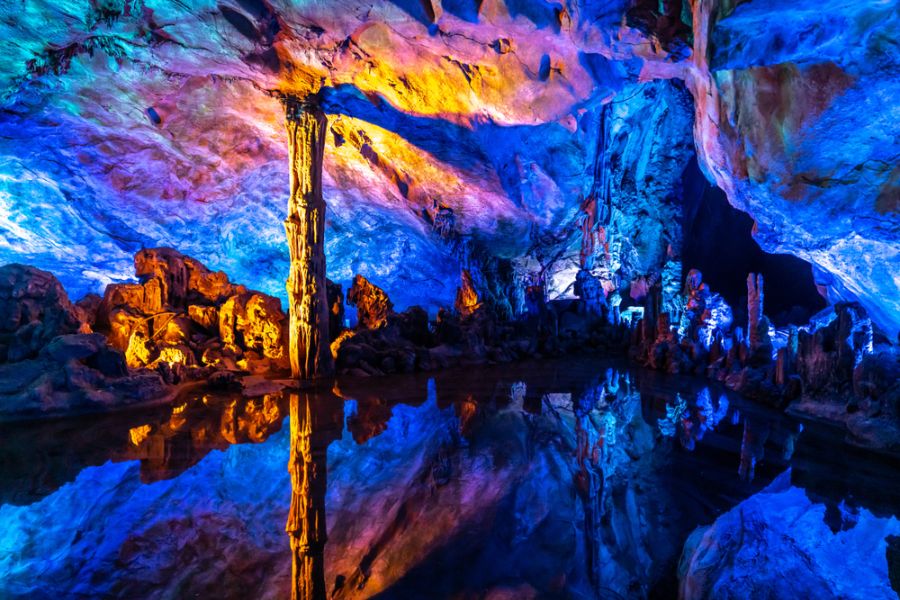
(305, 227)
(315, 422)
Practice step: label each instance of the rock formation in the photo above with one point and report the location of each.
(46, 368)
(373, 307)
(777, 544)
(467, 301)
(188, 320)
(305, 226)
(34, 309)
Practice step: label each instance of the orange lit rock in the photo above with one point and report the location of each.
(206, 317)
(171, 278)
(309, 353)
(175, 314)
(467, 300)
(373, 307)
(254, 321)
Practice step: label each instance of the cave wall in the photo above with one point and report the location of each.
(797, 120)
(146, 122)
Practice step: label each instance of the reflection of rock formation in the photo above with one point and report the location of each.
(170, 446)
(38, 457)
(316, 421)
(777, 544)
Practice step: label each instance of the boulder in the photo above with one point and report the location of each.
(34, 309)
(777, 544)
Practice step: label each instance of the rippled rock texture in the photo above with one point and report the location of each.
(140, 124)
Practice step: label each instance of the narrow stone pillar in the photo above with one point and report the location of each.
(754, 308)
(316, 421)
(305, 226)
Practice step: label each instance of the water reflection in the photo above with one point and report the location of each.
(317, 419)
(690, 421)
(552, 479)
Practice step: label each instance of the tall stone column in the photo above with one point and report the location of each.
(305, 226)
(316, 421)
(754, 309)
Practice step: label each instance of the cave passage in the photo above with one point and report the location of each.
(718, 240)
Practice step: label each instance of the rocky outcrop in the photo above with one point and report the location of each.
(833, 359)
(777, 544)
(34, 309)
(184, 318)
(389, 342)
(74, 374)
(48, 369)
(373, 307)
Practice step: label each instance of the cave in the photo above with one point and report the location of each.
(450, 299)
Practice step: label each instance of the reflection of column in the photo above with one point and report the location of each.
(316, 420)
(305, 227)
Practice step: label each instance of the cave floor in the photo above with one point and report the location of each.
(576, 478)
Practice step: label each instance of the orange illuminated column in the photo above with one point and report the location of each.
(316, 421)
(305, 226)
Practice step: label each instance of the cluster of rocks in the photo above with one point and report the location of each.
(834, 358)
(50, 363)
(186, 321)
(386, 341)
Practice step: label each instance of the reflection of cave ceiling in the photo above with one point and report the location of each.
(149, 122)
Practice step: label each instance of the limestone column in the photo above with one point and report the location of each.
(316, 421)
(754, 308)
(305, 226)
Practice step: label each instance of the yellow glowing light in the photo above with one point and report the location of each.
(138, 434)
(172, 356)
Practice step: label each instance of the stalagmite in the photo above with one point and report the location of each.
(316, 421)
(305, 226)
(754, 308)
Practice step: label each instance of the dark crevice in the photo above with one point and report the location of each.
(719, 242)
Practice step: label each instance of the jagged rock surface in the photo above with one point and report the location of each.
(34, 309)
(47, 369)
(187, 316)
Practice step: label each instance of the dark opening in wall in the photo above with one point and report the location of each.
(718, 241)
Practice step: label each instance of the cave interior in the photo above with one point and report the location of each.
(450, 299)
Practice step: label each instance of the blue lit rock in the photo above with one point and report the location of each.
(777, 544)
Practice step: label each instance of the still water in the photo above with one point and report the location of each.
(570, 479)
